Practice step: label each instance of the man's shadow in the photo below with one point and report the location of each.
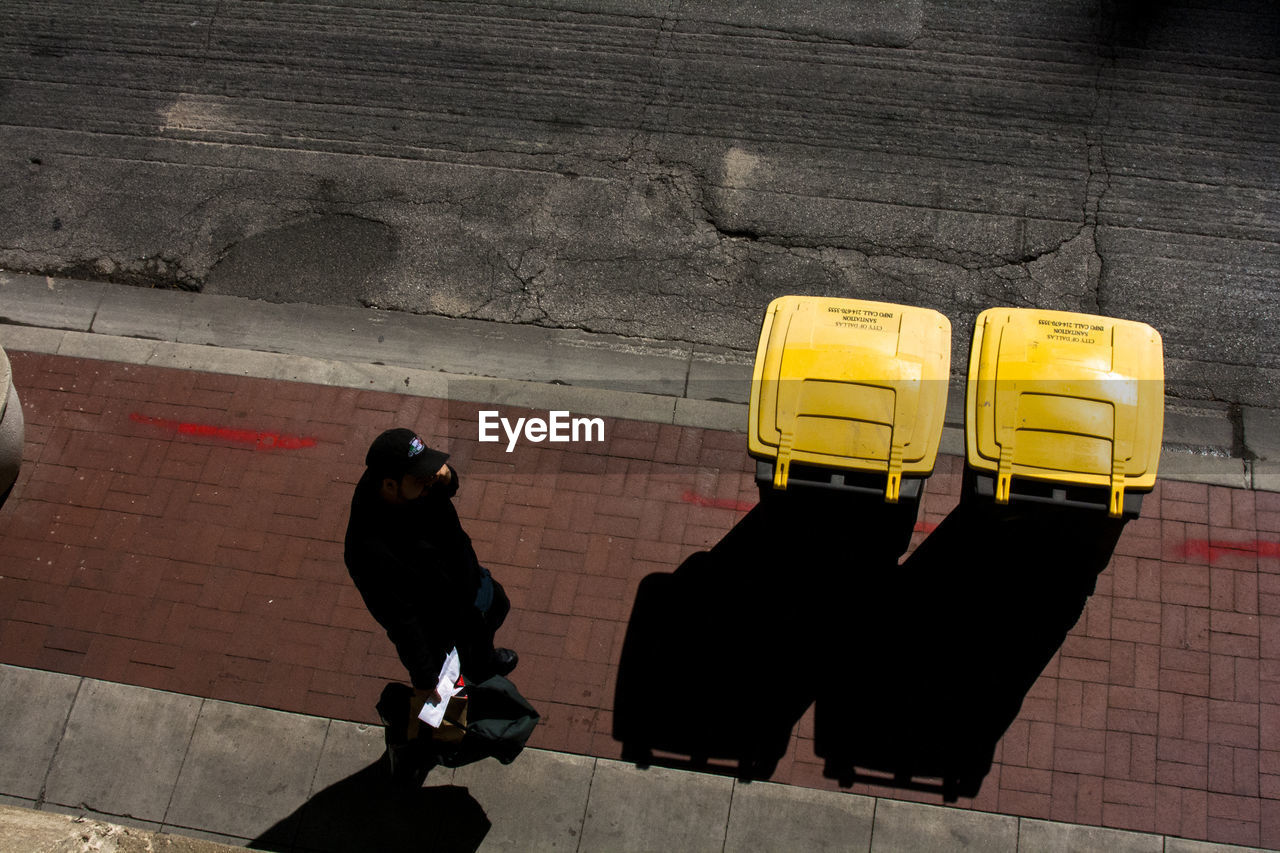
(915, 669)
(368, 812)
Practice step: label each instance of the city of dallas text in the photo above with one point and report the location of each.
(559, 426)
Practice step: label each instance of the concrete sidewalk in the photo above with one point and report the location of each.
(191, 590)
(241, 775)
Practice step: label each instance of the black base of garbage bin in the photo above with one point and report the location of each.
(983, 485)
(814, 477)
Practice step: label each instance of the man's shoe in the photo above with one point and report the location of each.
(504, 660)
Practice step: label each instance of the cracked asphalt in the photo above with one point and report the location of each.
(664, 169)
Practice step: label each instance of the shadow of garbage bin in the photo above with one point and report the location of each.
(951, 641)
(723, 656)
(915, 670)
(367, 813)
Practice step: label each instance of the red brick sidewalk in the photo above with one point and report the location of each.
(183, 531)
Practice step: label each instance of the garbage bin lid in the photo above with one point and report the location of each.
(850, 384)
(1064, 397)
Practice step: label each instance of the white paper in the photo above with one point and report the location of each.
(432, 713)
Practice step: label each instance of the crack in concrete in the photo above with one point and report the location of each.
(845, 245)
(968, 260)
(637, 142)
(499, 303)
(213, 19)
(162, 270)
(533, 297)
(1098, 172)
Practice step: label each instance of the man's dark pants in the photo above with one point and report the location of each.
(476, 648)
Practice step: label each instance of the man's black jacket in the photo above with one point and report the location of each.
(416, 570)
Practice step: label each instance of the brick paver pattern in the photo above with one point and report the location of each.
(183, 531)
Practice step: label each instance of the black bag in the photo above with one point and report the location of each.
(498, 723)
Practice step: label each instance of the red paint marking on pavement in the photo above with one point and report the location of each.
(692, 497)
(1215, 548)
(924, 527)
(261, 439)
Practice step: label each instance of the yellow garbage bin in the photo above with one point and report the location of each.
(1064, 408)
(848, 394)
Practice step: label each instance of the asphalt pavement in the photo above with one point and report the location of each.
(663, 170)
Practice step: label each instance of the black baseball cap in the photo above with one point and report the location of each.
(399, 451)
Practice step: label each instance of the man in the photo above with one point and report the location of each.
(415, 567)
